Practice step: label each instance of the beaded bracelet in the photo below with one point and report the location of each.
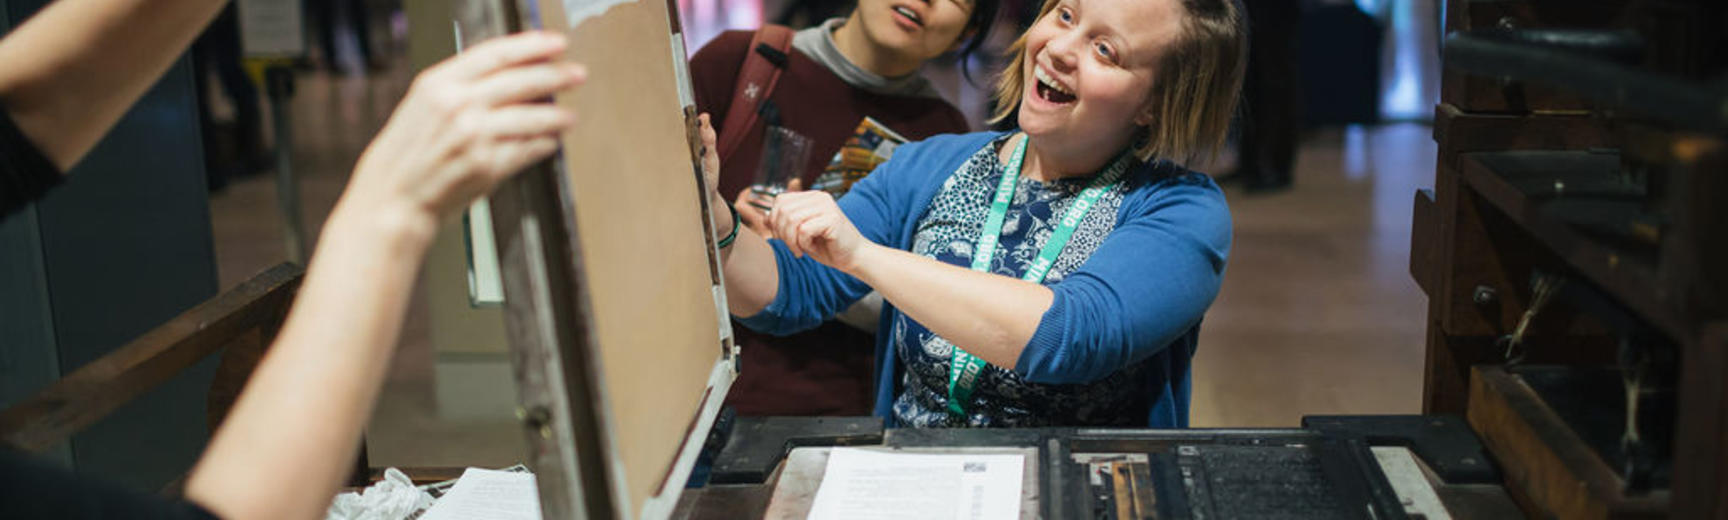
(736, 222)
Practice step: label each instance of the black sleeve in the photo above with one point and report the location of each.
(36, 489)
(25, 174)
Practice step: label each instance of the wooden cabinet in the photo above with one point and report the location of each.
(1613, 215)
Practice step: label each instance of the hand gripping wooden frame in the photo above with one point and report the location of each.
(616, 316)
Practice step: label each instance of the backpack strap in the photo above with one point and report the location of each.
(761, 70)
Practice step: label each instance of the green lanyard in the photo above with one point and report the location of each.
(964, 368)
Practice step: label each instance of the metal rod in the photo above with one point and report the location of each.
(280, 83)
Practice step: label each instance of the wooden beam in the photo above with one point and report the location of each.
(1701, 467)
(1424, 241)
(1543, 458)
(90, 393)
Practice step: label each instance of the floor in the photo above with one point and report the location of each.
(1318, 314)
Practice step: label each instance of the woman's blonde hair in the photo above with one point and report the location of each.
(1199, 79)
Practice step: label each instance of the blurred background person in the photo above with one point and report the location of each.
(334, 20)
(1270, 126)
(232, 148)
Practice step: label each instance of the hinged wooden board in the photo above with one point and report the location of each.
(617, 329)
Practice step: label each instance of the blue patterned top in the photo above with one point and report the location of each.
(949, 232)
(1115, 346)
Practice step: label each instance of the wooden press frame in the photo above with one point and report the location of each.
(1477, 238)
(556, 319)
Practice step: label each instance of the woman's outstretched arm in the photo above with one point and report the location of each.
(1148, 283)
(991, 316)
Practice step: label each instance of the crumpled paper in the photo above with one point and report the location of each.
(393, 498)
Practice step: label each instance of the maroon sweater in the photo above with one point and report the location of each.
(827, 370)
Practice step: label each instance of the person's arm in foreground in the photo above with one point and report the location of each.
(464, 125)
(76, 66)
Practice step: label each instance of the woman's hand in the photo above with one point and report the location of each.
(710, 153)
(811, 223)
(711, 176)
(465, 124)
(749, 205)
(751, 214)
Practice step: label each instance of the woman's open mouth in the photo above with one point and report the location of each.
(909, 16)
(1051, 90)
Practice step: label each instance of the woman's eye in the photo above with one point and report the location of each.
(1065, 16)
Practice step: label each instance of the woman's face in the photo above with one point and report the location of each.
(1089, 69)
(919, 29)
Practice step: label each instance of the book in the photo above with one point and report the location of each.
(871, 144)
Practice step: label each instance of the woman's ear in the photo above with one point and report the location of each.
(1145, 116)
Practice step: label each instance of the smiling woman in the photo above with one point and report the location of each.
(1054, 276)
(1186, 56)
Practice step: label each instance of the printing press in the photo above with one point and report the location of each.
(1571, 249)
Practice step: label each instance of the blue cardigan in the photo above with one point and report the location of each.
(1140, 295)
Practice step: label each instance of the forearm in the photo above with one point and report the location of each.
(464, 125)
(991, 316)
(300, 416)
(75, 67)
(752, 276)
